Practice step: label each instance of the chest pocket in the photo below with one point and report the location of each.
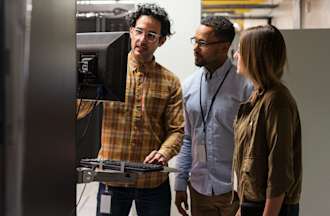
(244, 136)
(156, 102)
(225, 111)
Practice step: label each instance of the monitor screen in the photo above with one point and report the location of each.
(102, 65)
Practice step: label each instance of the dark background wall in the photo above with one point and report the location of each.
(40, 88)
(2, 107)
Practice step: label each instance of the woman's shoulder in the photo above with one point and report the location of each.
(279, 97)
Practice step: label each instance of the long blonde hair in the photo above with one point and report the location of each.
(263, 52)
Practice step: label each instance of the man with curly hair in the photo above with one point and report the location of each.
(148, 127)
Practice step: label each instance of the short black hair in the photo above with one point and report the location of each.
(223, 28)
(156, 12)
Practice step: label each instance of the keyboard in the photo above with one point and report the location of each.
(128, 166)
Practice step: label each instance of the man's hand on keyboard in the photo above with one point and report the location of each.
(155, 158)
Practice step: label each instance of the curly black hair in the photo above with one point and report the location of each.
(156, 12)
(223, 28)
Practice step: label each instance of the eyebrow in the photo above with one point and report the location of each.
(199, 39)
(147, 31)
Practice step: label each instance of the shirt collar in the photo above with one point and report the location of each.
(218, 73)
(135, 65)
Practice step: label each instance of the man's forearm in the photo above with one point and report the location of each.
(171, 145)
(183, 164)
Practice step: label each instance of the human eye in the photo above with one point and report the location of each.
(138, 31)
(152, 35)
(202, 43)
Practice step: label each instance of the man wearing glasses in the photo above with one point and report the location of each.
(148, 127)
(211, 100)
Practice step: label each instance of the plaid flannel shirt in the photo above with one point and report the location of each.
(150, 119)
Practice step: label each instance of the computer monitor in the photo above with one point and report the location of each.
(102, 65)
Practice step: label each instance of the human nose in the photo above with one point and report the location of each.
(143, 37)
(195, 46)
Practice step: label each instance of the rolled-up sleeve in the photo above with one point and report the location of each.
(174, 123)
(280, 129)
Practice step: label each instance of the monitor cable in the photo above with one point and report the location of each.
(93, 110)
(88, 121)
(80, 197)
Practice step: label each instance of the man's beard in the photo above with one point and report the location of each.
(199, 63)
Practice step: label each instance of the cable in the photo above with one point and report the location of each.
(89, 117)
(88, 123)
(75, 207)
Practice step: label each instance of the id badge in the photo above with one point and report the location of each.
(200, 145)
(105, 202)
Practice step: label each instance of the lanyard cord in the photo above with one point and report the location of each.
(213, 98)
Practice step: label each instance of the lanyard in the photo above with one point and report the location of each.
(213, 98)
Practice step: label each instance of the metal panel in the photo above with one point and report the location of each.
(50, 112)
(2, 109)
(40, 110)
(17, 22)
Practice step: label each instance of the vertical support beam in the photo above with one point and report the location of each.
(2, 108)
(40, 107)
(49, 154)
(269, 21)
(17, 37)
(297, 14)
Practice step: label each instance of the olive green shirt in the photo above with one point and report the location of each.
(267, 156)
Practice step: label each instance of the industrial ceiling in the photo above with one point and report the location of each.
(240, 10)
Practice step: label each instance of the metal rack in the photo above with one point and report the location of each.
(87, 175)
(103, 17)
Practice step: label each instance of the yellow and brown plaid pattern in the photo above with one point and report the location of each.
(150, 119)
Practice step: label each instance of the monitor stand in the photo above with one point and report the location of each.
(87, 175)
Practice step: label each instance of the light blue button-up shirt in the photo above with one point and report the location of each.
(213, 173)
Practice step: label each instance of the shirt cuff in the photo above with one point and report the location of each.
(274, 191)
(165, 153)
(180, 185)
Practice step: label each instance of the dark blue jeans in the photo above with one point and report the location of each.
(148, 202)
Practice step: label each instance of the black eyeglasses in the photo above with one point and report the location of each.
(202, 43)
